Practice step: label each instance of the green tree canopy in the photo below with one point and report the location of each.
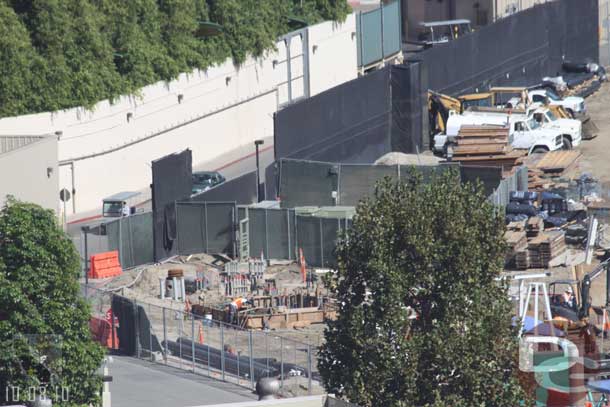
(431, 249)
(44, 322)
(58, 54)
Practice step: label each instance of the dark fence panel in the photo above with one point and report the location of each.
(304, 183)
(171, 182)
(517, 50)
(358, 181)
(309, 239)
(311, 183)
(241, 190)
(132, 236)
(271, 232)
(348, 123)
(206, 227)
(490, 177)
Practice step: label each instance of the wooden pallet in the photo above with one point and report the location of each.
(558, 161)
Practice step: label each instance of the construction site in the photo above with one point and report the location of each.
(232, 281)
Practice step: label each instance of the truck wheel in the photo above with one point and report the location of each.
(540, 150)
(567, 144)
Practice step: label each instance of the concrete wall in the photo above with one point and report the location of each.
(333, 61)
(220, 111)
(24, 173)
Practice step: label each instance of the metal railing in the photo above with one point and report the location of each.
(173, 337)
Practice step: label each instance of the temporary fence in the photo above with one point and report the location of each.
(516, 182)
(314, 183)
(132, 236)
(172, 337)
(206, 227)
(517, 50)
(358, 121)
(275, 233)
(379, 33)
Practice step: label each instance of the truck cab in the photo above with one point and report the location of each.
(571, 129)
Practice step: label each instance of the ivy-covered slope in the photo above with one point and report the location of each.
(57, 54)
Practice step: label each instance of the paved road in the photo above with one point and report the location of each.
(138, 383)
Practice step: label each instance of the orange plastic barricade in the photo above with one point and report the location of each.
(104, 265)
(101, 330)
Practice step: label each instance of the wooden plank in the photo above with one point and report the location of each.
(558, 161)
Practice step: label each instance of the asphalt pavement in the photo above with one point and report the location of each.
(138, 383)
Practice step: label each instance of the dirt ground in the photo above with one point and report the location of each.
(596, 152)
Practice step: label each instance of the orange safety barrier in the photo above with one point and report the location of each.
(104, 265)
(101, 330)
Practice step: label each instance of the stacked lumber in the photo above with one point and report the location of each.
(486, 146)
(517, 226)
(534, 226)
(544, 248)
(516, 241)
(535, 182)
(522, 260)
(558, 162)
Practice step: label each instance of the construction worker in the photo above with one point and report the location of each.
(568, 298)
(236, 305)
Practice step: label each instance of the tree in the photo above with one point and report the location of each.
(44, 322)
(58, 54)
(431, 250)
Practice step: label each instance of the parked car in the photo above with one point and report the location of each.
(204, 180)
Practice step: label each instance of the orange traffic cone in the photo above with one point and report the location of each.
(606, 326)
(201, 334)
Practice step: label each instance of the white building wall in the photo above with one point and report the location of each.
(30, 174)
(226, 109)
(334, 60)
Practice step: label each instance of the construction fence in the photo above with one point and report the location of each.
(516, 182)
(172, 337)
(317, 202)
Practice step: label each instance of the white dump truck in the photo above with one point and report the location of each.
(524, 133)
(570, 129)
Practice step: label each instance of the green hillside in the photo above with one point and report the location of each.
(57, 54)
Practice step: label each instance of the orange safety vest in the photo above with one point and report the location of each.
(238, 302)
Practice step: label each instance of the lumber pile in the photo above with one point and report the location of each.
(486, 146)
(541, 250)
(558, 162)
(534, 226)
(516, 241)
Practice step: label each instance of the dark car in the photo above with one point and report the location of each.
(204, 180)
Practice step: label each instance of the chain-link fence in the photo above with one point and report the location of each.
(198, 344)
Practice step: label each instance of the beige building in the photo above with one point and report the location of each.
(29, 170)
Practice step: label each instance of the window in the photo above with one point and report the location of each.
(519, 126)
(538, 99)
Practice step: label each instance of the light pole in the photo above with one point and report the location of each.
(258, 170)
